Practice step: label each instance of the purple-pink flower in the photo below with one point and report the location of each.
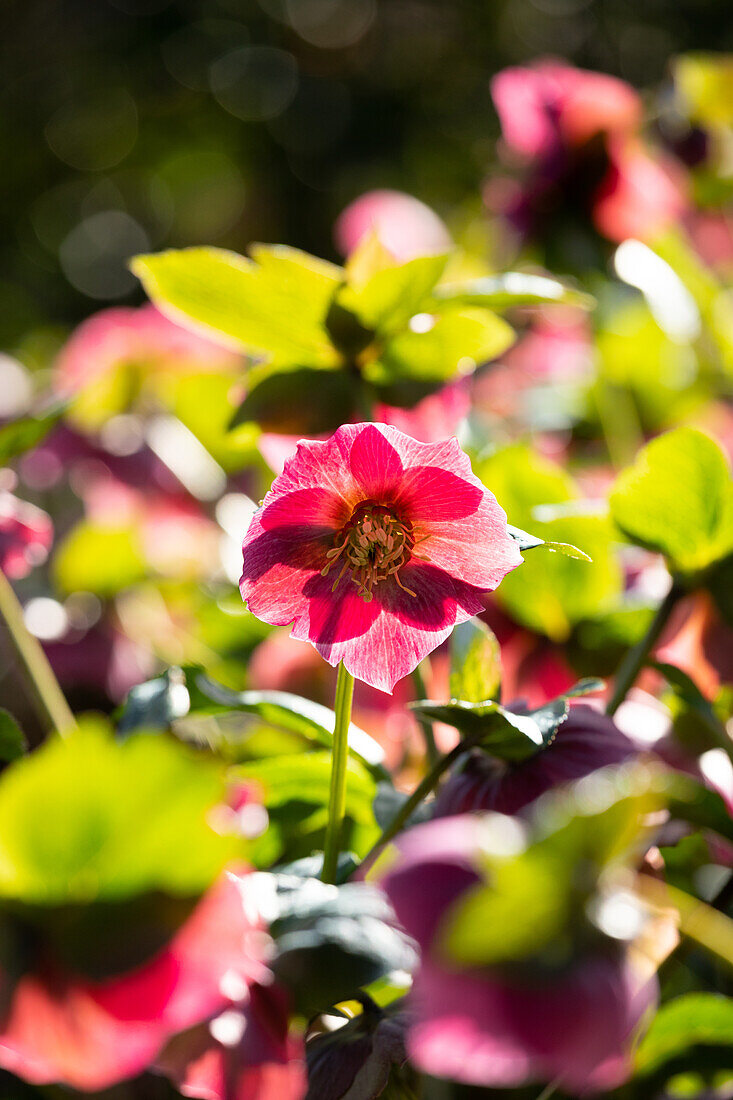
(572, 1022)
(374, 546)
(26, 533)
(586, 741)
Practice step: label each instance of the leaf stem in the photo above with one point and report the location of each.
(422, 790)
(340, 757)
(43, 688)
(426, 726)
(634, 660)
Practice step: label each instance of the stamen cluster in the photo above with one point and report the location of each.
(374, 545)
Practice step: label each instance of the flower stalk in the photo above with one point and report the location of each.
(634, 660)
(27, 655)
(340, 756)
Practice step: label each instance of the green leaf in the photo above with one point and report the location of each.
(475, 662)
(503, 733)
(677, 499)
(691, 801)
(531, 542)
(98, 559)
(332, 941)
(12, 739)
(284, 710)
(275, 306)
(19, 436)
(298, 402)
(387, 301)
(90, 819)
(458, 341)
(694, 1019)
(295, 792)
(553, 592)
(514, 288)
(720, 587)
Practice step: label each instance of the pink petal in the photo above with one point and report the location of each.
(405, 226)
(90, 1035)
(576, 1027)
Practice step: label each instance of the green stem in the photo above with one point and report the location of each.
(634, 660)
(43, 689)
(431, 749)
(340, 757)
(422, 790)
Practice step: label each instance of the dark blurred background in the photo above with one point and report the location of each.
(130, 125)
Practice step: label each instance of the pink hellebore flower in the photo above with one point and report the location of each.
(374, 546)
(551, 104)
(506, 1027)
(26, 534)
(87, 1034)
(586, 741)
(405, 226)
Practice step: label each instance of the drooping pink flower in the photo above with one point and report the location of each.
(576, 137)
(59, 1027)
(572, 1022)
(404, 225)
(374, 546)
(244, 1053)
(140, 337)
(549, 105)
(26, 533)
(586, 741)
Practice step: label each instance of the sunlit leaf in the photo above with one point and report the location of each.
(275, 305)
(514, 288)
(677, 499)
(452, 342)
(387, 300)
(475, 662)
(98, 559)
(89, 818)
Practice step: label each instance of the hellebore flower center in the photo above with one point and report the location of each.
(373, 545)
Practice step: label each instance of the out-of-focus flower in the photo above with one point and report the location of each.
(374, 546)
(141, 338)
(90, 1034)
(576, 136)
(244, 1053)
(585, 741)
(640, 195)
(405, 226)
(551, 105)
(26, 533)
(572, 1022)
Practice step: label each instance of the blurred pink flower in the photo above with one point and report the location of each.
(575, 135)
(59, 1027)
(26, 533)
(502, 1028)
(549, 105)
(140, 337)
(244, 1053)
(586, 741)
(374, 546)
(640, 195)
(405, 226)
